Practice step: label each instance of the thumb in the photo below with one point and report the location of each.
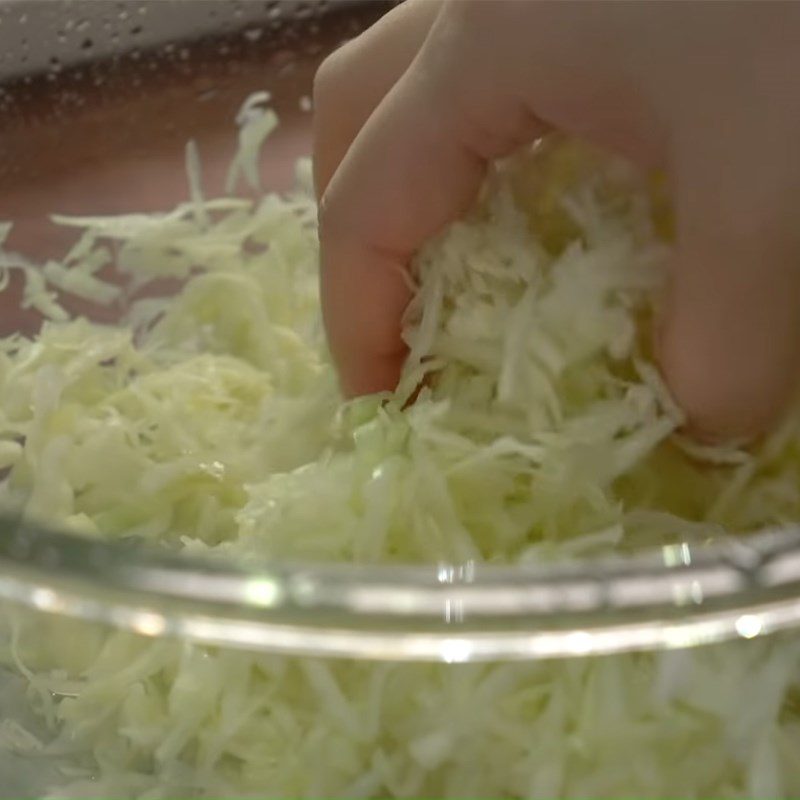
(730, 344)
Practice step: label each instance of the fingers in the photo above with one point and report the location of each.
(353, 80)
(415, 166)
(730, 344)
(406, 123)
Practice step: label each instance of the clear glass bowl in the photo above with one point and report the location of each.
(94, 96)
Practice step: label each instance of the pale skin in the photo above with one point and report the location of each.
(410, 114)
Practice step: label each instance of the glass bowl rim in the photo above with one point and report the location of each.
(676, 596)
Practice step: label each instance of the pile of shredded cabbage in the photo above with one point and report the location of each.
(208, 421)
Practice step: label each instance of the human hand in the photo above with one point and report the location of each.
(409, 114)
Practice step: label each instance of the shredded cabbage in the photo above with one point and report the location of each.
(543, 432)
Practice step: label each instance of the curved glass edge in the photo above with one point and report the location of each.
(675, 597)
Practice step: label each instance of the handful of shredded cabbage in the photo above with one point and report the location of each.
(206, 421)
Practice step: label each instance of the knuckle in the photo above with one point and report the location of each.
(331, 75)
(329, 217)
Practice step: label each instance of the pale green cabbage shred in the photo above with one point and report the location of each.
(212, 422)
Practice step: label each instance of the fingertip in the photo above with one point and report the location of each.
(717, 404)
(732, 385)
(366, 374)
(363, 294)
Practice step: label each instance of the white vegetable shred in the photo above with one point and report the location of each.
(207, 421)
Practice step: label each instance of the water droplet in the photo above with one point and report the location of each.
(136, 30)
(87, 44)
(253, 34)
(23, 19)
